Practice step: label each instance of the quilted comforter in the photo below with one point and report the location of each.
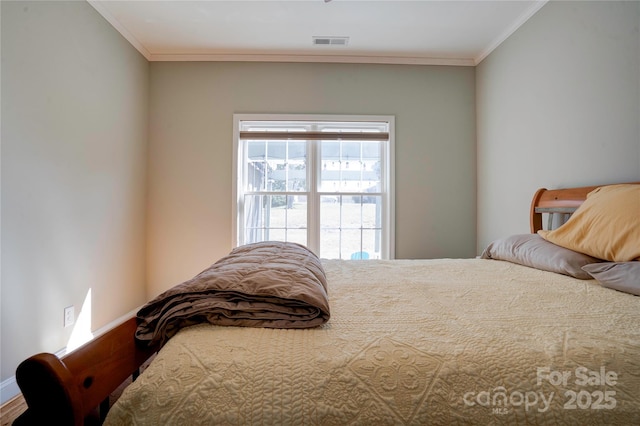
(437, 342)
(268, 284)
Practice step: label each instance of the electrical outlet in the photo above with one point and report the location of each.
(69, 316)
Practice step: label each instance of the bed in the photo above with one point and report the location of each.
(531, 332)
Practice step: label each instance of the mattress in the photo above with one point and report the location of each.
(439, 342)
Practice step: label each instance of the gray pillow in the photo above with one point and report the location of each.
(622, 276)
(534, 251)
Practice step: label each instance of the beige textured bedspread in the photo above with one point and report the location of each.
(437, 342)
(268, 284)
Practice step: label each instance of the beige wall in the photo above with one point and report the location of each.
(190, 167)
(74, 140)
(558, 104)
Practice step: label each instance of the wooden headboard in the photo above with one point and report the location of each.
(556, 202)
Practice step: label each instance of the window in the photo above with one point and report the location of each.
(322, 181)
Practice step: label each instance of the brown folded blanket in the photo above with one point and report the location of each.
(268, 284)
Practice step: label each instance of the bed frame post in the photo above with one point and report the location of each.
(69, 390)
(535, 218)
(47, 374)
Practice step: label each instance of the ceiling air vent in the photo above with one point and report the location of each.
(330, 41)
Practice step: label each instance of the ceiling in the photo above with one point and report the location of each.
(447, 32)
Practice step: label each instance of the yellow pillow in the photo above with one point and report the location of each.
(606, 225)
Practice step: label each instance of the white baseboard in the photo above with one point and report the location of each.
(9, 388)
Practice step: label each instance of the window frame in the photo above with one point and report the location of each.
(313, 174)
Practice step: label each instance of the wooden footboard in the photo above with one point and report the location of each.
(75, 389)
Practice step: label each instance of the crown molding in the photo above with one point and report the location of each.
(346, 59)
(115, 23)
(526, 15)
